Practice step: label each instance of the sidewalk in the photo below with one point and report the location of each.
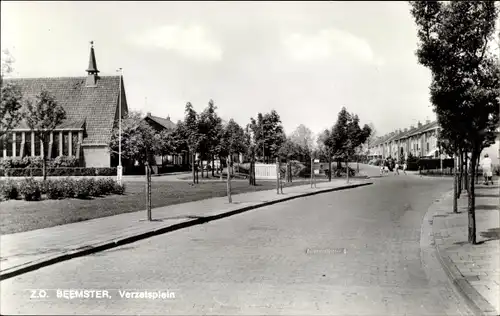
(27, 251)
(474, 269)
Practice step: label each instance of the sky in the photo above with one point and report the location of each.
(306, 60)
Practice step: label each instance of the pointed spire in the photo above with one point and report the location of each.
(92, 63)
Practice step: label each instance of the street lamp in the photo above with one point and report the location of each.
(120, 168)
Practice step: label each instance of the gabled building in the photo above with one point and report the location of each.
(92, 109)
(159, 124)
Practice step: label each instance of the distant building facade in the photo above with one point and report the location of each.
(419, 141)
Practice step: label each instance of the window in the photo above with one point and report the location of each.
(46, 148)
(74, 143)
(55, 145)
(38, 143)
(27, 144)
(2, 146)
(8, 144)
(19, 141)
(65, 144)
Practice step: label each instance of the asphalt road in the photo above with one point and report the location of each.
(354, 252)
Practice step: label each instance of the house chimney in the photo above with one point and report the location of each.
(427, 122)
(406, 130)
(419, 124)
(168, 118)
(92, 69)
(412, 127)
(148, 114)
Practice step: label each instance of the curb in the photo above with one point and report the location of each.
(105, 245)
(475, 301)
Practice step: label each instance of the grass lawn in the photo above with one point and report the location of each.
(18, 216)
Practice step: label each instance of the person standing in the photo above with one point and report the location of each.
(487, 170)
(405, 165)
(396, 168)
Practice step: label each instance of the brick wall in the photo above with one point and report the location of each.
(96, 156)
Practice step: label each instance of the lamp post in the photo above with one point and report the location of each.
(120, 168)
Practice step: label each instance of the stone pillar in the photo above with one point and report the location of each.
(79, 146)
(23, 141)
(51, 142)
(61, 140)
(32, 144)
(14, 144)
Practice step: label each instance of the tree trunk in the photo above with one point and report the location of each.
(466, 173)
(277, 176)
(357, 165)
(213, 166)
(228, 181)
(253, 172)
(291, 175)
(221, 168)
(477, 167)
(347, 168)
(329, 167)
(312, 170)
(44, 161)
(472, 202)
(460, 171)
(193, 168)
(455, 186)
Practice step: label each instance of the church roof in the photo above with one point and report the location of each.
(96, 106)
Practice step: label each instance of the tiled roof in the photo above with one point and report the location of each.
(96, 106)
(430, 126)
(423, 128)
(167, 123)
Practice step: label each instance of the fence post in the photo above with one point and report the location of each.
(277, 175)
(148, 191)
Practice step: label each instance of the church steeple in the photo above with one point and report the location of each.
(92, 69)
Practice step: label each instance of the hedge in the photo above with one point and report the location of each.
(57, 172)
(32, 190)
(36, 162)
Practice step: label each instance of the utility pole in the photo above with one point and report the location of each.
(120, 167)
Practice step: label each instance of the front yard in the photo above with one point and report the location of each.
(18, 215)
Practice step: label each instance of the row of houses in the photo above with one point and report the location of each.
(419, 141)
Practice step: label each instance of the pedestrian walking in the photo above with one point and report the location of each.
(487, 170)
(396, 168)
(405, 165)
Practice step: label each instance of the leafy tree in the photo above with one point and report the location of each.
(268, 133)
(210, 127)
(250, 153)
(11, 96)
(326, 142)
(304, 138)
(191, 132)
(453, 41)
(139, 142)
(341, 143)
(232, 142)
(43, 115)
(165, 143)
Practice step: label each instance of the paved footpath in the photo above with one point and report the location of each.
(26, 251)
(474, 269)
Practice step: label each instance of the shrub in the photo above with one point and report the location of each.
(84, 188)
(57, 172)
(9, 190)
(118, 188)
(68, 187)
(65, 161)
(106, 186)
(30, 189)
(55, 190)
